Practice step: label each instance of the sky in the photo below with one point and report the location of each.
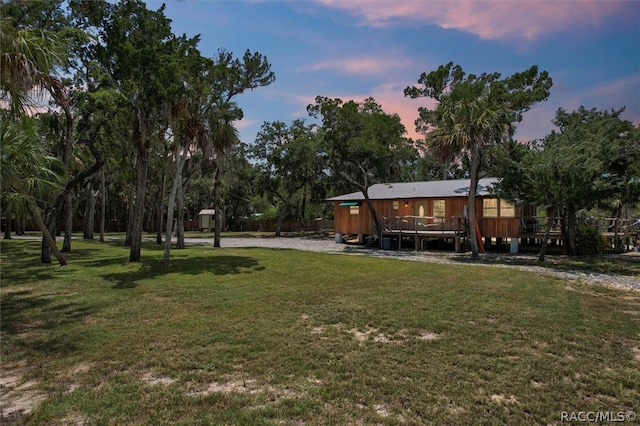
(354, 49)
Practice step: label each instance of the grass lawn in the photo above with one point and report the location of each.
(260, 336)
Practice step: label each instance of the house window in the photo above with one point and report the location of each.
(354, 209)
(507, 209)
(439, 208)
(490, 207)
(396, 205)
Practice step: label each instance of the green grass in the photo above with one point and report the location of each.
(260, 336)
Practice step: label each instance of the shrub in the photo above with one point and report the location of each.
(589, 239)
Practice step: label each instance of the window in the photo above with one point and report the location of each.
(490, 207)
(439, 208)
(507, 209)
(396, 205)
(354, 209)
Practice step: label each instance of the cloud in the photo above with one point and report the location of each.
(621, 92)
(606, 95)
(366, 65)
(493, 19)
(390, 96)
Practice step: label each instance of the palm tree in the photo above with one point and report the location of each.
(468, 121)
(27, 59)
(29, 176)
(223, 136)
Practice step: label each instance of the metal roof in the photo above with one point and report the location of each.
(207, 211)
(427, 189)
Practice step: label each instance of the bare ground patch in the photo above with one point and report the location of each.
(237, 383)
(18, 396)
(502, 399)
(154, 379)
(371, 334)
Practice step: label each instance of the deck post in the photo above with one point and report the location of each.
(615, 235)
(514, 246)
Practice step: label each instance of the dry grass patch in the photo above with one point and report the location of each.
(502, 399)
(154, 379)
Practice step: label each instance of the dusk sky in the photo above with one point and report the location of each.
(353, 49)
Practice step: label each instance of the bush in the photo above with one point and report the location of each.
(589, 239)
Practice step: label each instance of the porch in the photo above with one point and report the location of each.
(415, 232)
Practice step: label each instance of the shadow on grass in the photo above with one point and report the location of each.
(21, 263)
(31, 318)
(216, 265)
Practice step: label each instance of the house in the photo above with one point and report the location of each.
(426, 210)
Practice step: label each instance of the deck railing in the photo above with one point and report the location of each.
(606, 225)
(427, 224)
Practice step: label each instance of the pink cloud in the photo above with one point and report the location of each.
(492, 19)
(391, 97)
(607, 95)
(360, 66)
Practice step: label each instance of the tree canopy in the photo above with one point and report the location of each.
(364, 145)
(120, 96)
(474, 112)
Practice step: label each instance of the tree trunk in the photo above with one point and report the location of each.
(49, 222)
(547, 232)
(571, 230)
(303, 209)
(68, 224)
(130, 216)
(46, 236)
(89, 212)
(160, 206)
(374, 215)
(142, 165)
(180, 216)
(171, 207)
(471, 209)
(7, 228)
(103, 205)
(216, 201)
(19, 227)
(282, 213)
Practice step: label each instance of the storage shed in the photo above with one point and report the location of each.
(207, 219)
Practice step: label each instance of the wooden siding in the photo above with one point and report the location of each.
(345, 223)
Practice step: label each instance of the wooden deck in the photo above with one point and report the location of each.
(423, 228)
(415, 231)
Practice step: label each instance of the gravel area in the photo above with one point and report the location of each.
(519, 261)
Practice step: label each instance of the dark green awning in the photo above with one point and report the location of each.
(349, 204)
